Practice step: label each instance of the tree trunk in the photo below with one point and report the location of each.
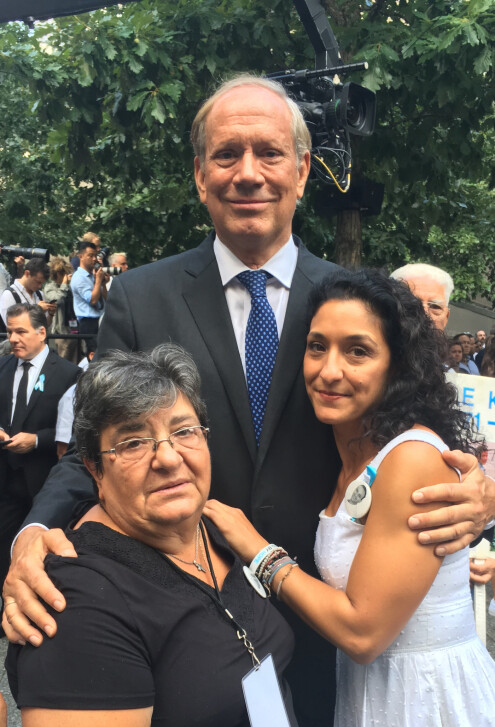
(348, 239)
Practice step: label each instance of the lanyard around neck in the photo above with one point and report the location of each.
(215, 596)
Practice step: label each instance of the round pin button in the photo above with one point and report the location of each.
(358, 498)
(254, 581)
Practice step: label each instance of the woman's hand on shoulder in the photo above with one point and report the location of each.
(470, 506)
(240, 534)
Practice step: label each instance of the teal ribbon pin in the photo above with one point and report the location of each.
(40, 384)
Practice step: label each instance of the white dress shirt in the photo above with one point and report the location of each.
(65, 416)
(281, 266)
(7, 299)
(37, 364)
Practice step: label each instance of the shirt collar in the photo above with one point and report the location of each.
(17, 284)
(282, 265)
(39, 360)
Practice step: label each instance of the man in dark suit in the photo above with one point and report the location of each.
(32, 380)
(252, 163)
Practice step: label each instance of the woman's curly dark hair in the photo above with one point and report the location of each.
(417, 391)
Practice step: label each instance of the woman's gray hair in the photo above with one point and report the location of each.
(124, 386)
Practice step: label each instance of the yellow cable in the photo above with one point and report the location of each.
(329, 171)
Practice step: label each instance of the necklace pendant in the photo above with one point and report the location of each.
(199, 566)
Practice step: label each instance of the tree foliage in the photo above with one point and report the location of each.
(431, 65)
(96, 112)
(118, 90)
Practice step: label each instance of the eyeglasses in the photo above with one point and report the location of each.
(132, 450)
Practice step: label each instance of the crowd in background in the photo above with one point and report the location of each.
(51, 285)
(472, 354)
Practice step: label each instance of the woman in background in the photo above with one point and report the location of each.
(57, 290)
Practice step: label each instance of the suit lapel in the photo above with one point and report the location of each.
(7, 374)
(205, 298)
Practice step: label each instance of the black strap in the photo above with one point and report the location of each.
(15, 294)
(17, 298)
(215, 595)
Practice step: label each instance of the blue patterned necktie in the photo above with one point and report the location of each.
(261, 345)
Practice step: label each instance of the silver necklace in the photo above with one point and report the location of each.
(195, 561)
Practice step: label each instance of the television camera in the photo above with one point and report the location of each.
(332, 110)
(25, 252)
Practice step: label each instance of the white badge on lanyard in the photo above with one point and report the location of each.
(264, 701)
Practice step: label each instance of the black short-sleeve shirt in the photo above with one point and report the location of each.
(137, 632)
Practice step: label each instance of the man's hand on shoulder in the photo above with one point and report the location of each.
(27, 581)
(464, 508)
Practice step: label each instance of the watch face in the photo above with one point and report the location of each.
(358, 498)
(255, 583)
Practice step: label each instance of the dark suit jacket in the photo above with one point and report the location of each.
(40, 418)
(282, 485)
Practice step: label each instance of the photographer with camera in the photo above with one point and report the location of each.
(118, 264)
(27, 289)
(87, 237)
(89, 290)
(6, 278)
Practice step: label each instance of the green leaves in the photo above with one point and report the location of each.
(103, 103)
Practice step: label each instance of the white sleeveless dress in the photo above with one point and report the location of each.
(436, 673)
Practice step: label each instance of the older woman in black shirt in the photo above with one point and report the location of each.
(155, 598)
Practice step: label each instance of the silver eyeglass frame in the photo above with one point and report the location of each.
(169, 439)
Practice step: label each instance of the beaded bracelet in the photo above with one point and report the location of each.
(268, 561)
(286, 575)
(277, 566)
(261, 555)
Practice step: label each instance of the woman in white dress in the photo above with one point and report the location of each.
(401, 617)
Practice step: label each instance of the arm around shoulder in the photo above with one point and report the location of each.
(68, 484)
(390, 574)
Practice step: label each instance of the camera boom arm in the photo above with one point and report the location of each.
(320, 33)
(332, 111)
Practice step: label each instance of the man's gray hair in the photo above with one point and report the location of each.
(414, 270)
(124, 386)
(300, 133)
(115, 255)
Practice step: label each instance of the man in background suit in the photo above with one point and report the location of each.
(252, 163)
(32, 380)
